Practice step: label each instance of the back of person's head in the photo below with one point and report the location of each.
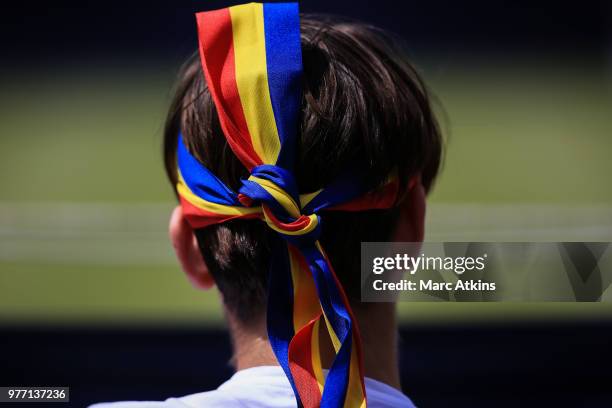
(363, 107)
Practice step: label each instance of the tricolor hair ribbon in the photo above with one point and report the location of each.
(251, 58)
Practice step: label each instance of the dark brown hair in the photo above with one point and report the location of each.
(363, 105)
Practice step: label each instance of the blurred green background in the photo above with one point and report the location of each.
(84, 202)
(525, 99)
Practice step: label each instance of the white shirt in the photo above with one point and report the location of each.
(260, 387)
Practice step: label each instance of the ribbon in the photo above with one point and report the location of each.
(251, 58)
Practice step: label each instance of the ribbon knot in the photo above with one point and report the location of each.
(276, 190)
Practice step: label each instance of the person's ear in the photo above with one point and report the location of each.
(188, 252)
(411, 223)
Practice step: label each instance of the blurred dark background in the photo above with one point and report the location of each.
(91, 298)
(543, 365)
(64, 32)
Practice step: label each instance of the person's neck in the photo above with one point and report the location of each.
(378, 326)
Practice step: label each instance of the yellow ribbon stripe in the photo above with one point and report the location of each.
(210, 207)
(354, 392)
(316, 354)
(252, 79)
